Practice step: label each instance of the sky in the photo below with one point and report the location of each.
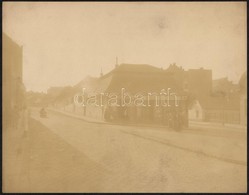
(65, 41)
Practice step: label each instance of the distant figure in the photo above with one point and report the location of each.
(43, 113)
(170, 120)
(125, 114)
(177, 121)
(107, 114)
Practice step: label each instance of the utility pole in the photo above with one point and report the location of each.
(101, 72)
(116, 62)
(225, 99)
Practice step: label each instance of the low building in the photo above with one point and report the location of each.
(134, 79)
(216, 109)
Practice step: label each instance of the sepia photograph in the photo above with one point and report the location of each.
(124, 97)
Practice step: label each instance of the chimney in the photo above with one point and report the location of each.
(101, 72)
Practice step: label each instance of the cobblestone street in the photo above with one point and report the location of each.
(63, 154)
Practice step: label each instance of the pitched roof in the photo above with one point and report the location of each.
(137, 68)
(135, 78)
(138, 78)
(133, 68)
(88, 82)
(143, 83)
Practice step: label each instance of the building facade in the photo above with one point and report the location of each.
(243, 99)
(137, 80)
(13, 88)
(216, 109)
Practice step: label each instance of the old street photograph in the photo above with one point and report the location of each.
(124, 97)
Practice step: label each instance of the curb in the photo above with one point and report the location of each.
(193, 123)
(107, 123)
(76, 116)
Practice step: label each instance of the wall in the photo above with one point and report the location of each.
(12, 87)
(220, 116)
(243, 110)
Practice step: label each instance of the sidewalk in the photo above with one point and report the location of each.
(191, 123)
(92, 120)
(46, 163)
(218, 125)
(87, 119)
(14, 139)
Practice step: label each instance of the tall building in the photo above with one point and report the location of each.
(13, 88)
(199, 81)
(196, 81)
(224, 86)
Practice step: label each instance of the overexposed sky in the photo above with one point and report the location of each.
(64, 42)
